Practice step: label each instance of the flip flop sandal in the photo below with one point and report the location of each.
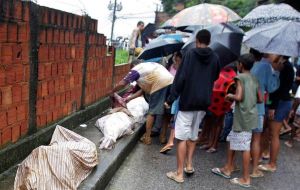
(189, 172)
(164, 150)
(257, 175)
(264, 168)
(173, 176)
(217, 171)
(211, 150)
(203, 147)
(288, 144)
(236, 181)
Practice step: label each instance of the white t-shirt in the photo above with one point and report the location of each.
(297, 95)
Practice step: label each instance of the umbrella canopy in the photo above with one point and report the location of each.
(226, 40)
(149, 30)
(282, 38)
(162, 46)
(203, 14)
(265, 14)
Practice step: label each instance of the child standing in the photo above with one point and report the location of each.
(245, 119)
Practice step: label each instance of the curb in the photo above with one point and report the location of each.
(111, 161)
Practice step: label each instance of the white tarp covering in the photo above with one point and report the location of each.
(62, 165)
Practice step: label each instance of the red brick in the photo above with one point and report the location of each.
(22, 33)
(41, 72)
(11, 116)
(54, 69)
(51, 53)
(49, 35)
(3, 119)
(44, 89)
(26, 70)
(56, 36)
(51, 87)
(41, 120)
(65, 110)
(16, 94)
(24, 128)
(55, 115)
(49, 117)
(6, 93)
(42, 36)
(21, 112)
(39, 106)
(6, 136)
(10, 75)
(56, 86)
(48, 70)
(46, 105)
(3, 32)
(25, 92)
(2, 78)
(57, 53)
(19, 72)
(18, 10)
(12, 32)
(57, 100)
(51, 102)
(15, 132)
(43, 53)
(62, 99)
(6, 54)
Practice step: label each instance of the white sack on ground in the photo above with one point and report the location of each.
(116, 125)
(62, 165)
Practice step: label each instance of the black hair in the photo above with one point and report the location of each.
(286, 57)
(203, 36)
(257, 55)
(136, 62)
(179, 54)
(140, 23)
(247, 60)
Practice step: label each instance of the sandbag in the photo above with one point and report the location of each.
(63, 164)
(116, 125)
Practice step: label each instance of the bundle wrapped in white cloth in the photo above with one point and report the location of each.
(63, 165)
(122, 122)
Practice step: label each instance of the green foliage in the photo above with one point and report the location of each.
(241, 7)
(121, 56)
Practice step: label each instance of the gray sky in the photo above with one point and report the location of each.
(97, 9)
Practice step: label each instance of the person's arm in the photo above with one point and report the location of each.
(238, 96)
(135, 95)
(260, 97)
(272, 79)
(130, 77)
(133, 38)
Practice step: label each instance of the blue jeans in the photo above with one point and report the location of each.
(228, 122)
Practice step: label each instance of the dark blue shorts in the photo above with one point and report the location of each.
(157, 100)
(282, 110)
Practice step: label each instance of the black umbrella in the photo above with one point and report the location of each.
(162, 46)
(149, 30)
(226, 41)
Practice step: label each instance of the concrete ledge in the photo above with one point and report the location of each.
(14, 153)
(110, 161)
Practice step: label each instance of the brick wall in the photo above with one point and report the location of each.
(14, 71)
(121, 71)
(73, 69)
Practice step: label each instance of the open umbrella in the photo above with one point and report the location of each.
(203, 14)
(162, 46)
(282, 38)
(149, 30)
(265, 14)
(226, 40)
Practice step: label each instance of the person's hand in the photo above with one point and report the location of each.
(229, 98)
(291, 114)
(127, 99)
(167, 106)
(271, 114)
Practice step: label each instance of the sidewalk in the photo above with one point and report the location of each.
(109, 160)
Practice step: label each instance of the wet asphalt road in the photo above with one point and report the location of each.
(145, 169)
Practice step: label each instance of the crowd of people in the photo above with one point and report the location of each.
(260, 100)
